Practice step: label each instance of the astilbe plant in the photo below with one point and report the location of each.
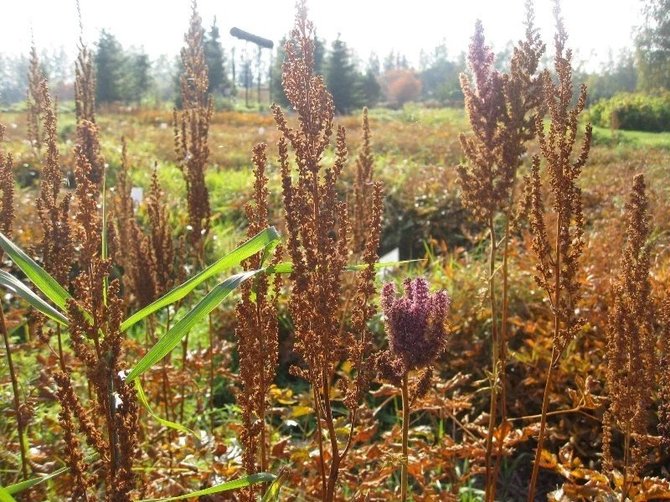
(53, 210)
(364, 187)
(191, 132)
(417, 335)
(257, 334)
(108, 419)
(319, 246)
(631, 343)
(501, 109)
(558, 261)
(35, 103)
(87, 129)
(136, 257)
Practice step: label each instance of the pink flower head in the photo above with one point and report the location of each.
(415, 322)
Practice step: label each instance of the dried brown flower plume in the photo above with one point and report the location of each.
(558, 261)
(257, 332)
(317, 225)
(631, 343)
(191, 131)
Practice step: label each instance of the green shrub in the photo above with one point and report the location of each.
(633, 111)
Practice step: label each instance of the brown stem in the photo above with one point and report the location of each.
(554, 356)
(319, 435)
(626, 461)
(15, 391)
(502, 354)
(540, 439)
(404, 478)
(335, 454)
(494, 363)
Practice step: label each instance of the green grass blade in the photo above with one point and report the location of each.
(104, 248)
(165, 423)
(272, 494)
(29, 483)
(286, 267)
(260, 241)
(5, 496)
(39, 277)
(235, 484)
(202, 309)
(18, 288)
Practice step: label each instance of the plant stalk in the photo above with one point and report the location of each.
(404, 477)
(490, 481)
(15, 391)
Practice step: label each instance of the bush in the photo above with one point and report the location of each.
(633, 111)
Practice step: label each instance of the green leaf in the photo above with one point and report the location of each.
(29, 483)
(5, 496)
(286, 267)
(235, 484)
(104, 250)
(18, 288)
(166, 423)
(39, 277)
(272, 494)
(260, 241)
(202, 309)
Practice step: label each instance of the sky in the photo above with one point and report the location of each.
(595, 27)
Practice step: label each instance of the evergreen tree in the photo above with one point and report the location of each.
(342, 79)
(215, 59)
(372, 91)
(109, 59)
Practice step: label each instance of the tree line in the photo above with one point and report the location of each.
(129, 76)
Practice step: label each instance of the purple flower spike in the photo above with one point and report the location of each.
(415, 322)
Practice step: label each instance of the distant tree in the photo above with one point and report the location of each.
(108, 61)
(136, 76)
(342, 79)
(215, 59)
(162, 77)
(401, 86)
(13, 79)
(440, 77)
(653, 46)
(615, 76)
(370, 88)
(374, 65)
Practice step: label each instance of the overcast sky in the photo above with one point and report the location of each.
(595, 26)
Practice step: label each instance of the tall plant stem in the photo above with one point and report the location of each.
(15, 391)
(626, 461)
(502, 354)
(490, 480)
(319, 435)
(543, 426)
(211, 371)
(335, 454)
(404, 477)
(547, 385)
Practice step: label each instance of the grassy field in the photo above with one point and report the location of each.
(416, 152)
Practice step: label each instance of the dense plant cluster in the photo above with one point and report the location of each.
(633, 111)
(514, 364)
